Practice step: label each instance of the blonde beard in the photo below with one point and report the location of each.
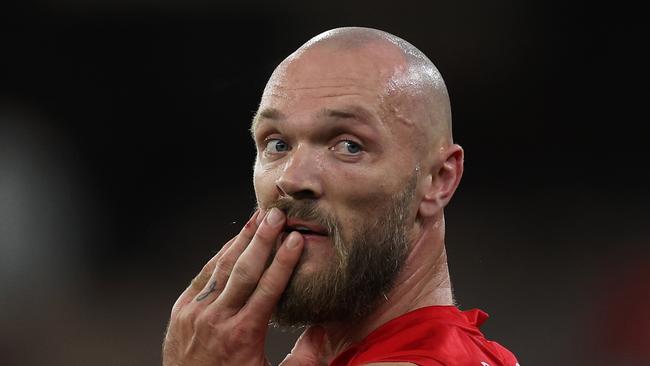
(362, 270)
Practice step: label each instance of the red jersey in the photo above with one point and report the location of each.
(430, 336)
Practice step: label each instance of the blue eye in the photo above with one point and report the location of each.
(347, 147)
(275, 146)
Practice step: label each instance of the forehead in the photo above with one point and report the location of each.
(325, 72)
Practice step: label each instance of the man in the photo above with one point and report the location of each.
(355, 164)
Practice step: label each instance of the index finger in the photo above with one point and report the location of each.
(274, 281)
(201, 280)
(251, 264)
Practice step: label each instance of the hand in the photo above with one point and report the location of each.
(222, 317)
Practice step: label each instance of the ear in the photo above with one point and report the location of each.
(444, 177)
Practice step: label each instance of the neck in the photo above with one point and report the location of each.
(424, 281)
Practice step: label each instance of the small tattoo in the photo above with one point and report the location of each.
(211, 289)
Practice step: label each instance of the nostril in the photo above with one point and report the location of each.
(286, 191)
(300, 181)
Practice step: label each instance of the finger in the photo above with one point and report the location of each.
(249, 267)
(218, 277)
(201, 281)
(262, 302)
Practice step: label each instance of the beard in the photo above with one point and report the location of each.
(360, 273)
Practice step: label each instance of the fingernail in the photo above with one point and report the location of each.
(292, 240)
(252, 219)
(260, 216)
(274, 217)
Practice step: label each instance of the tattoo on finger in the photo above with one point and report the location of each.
(211, 289)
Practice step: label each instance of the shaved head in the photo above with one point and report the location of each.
(356, 126)
(414, 90)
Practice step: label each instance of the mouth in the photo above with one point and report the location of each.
(304, 228)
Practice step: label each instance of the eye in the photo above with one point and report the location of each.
(275, 146)
(347, 147)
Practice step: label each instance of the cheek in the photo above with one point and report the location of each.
(360, 198)
(264, 185)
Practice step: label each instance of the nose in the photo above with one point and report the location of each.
(300, 175)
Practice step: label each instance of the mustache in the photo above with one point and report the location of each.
(306, 210)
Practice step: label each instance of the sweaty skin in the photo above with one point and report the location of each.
(345, 121)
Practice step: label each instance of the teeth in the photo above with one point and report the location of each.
(302, 228)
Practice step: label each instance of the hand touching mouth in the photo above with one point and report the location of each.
(305, 227)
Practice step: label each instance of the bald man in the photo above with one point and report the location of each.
(355, 164)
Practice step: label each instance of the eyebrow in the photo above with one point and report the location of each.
(349, 112)
(266, 113)
(335, 113)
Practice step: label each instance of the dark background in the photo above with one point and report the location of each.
(125, 163)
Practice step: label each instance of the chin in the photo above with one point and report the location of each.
(313, 260)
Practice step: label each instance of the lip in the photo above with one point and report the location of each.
(308, 238)
(318, 230)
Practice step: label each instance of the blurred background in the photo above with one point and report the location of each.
(125, 163)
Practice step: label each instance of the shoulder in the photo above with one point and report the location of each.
(433, 336)
(432, 363)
